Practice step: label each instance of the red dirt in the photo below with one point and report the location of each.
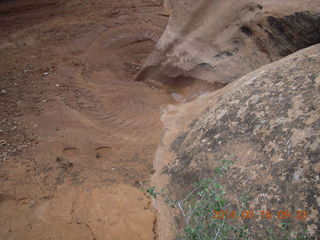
(78, 135)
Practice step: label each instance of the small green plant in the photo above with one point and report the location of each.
(152, 191)
(172, 203)
(201, 207)
(197, 210)
(206, 199)
(285, 225)
(225, 164)
(245, 200)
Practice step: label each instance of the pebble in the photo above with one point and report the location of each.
(3, 91)
(33, 203)
(317, 168)
(177, 97)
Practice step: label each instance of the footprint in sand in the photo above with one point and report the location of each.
(102, 151)
(70, 151)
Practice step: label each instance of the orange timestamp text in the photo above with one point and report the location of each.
(262, 214)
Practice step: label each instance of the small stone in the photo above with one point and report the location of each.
(57, 85)
(32, 204)
(312, 229)
(317, 168)
(3, 91)
(69, 165)
(45, 73)
(177, 97)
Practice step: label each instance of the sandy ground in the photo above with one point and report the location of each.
(78, 135)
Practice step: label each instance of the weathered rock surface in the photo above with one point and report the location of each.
(268, 124)
(220, 41)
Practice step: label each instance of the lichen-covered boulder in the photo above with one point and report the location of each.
(267, 124)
